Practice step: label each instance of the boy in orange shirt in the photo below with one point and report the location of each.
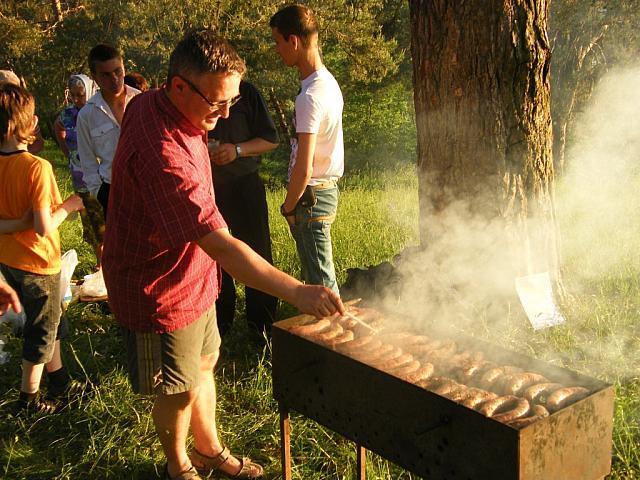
(31, 210)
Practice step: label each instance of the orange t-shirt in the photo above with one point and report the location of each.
(27, 181)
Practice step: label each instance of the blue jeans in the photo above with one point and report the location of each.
(312, 233)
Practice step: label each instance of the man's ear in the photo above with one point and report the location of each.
(177, 83)
(295, 41)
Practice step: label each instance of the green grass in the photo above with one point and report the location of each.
(111, 436)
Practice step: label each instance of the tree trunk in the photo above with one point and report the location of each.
(568, 81)
(482, 100)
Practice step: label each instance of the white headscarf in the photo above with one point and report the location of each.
(90, 86)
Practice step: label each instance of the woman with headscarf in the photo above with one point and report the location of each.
(79, 89)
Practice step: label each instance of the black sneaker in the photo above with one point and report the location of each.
(38, 405)
(72, 391)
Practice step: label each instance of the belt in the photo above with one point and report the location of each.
(325, 185)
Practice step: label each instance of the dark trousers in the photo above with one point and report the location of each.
(243, 204)
(103, 197)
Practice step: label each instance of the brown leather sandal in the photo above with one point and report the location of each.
(248, 468)
(189, 474)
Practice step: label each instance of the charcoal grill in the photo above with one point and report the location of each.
(428, 434)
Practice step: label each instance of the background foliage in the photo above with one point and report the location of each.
(365, 44)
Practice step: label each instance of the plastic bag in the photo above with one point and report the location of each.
(16, 320)
(4, 356)
(69, 262)
(93, 285)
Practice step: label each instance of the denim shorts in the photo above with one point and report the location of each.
(312, 233)
(169, 363)
(40, 299)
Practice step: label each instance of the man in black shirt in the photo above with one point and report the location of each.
(235, 146)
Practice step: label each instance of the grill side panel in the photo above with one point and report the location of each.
(416, 429)
(574, 443)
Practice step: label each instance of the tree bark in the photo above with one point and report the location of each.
(568, 80)
(482, 100)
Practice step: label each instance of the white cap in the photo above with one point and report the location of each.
(7, 76)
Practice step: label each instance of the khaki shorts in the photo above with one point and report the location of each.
(169, 363)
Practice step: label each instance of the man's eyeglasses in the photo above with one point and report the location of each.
(212, 105)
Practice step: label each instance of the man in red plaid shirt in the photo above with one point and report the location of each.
(164, 237)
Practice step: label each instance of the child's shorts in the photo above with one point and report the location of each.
(40, 299)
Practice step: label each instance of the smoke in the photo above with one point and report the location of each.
(598, 196)
(464, 280)
(597, 203)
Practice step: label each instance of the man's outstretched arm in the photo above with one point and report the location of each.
(246, 266)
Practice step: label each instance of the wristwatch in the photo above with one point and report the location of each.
(238, 151)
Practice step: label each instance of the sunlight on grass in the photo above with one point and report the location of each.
(111, 436)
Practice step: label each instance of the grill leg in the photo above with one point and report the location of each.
(285, 442)
(361, 462)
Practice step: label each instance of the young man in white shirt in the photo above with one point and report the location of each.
(99, 121)
(317, 151)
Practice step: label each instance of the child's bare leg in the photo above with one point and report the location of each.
(31, 376)
(56, 362)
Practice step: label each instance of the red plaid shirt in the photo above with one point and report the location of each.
(161, 201)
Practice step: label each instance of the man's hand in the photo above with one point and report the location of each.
(224, 154)
(73, 204)
(318, 300)
(291, 220)
(8, 298)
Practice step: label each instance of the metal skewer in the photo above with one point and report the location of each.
(353, 317)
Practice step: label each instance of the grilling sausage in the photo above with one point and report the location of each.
(538, 412)
(427, 347)
(476, 397)
(367, 355)
(538, 393)
(565, 396)
(442, 385)
(312, 328)
(517, 408)
(423, 373)
(459, 393)
(388, 358)
(401, 361)
(473, 369)
(491, 376)
(408, 368)
(517, 382)
(359, 342)
(346, 336)
(506, 403)
(399, 338)
(326, 336)
(347, 322)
